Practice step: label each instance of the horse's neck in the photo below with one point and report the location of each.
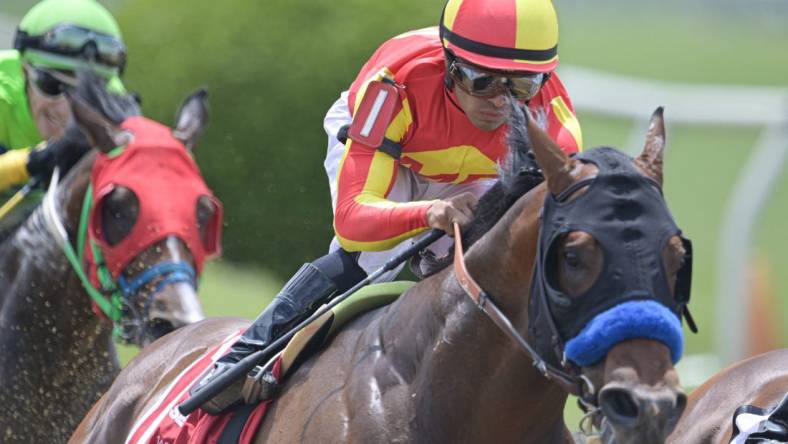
(469, 381)
(44, 298)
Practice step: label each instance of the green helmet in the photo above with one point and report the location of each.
(71, 34)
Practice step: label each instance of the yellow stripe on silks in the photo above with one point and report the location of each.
(13, 168)
(377, 185)
(463, 160)
(400, 123)
(383, 73)
(383, 245)
(568, 120)
(450, 13)
(378, 178)
(536, 25)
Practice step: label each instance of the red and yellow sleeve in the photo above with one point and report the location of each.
(562, 124)
(365, 219)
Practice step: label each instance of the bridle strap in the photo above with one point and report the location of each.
(570, 383)
(110, 307)
(170, 271)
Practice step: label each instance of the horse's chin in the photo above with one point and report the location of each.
(152, 331)
(156, 329)
(613, 435)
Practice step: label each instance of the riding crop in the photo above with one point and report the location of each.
(11, 203)
(247, 364)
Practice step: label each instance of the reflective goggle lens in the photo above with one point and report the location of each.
(74, 40)
(486, 84)
(525, 87)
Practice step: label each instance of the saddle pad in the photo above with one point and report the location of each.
(311, 337)
(162, 423)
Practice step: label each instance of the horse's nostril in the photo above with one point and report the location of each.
(618, 405)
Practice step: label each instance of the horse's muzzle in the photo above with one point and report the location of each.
(641, 414)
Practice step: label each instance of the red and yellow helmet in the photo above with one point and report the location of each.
(508, 35)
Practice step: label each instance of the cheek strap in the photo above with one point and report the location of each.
(630, 320)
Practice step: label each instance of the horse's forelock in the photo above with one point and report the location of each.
(518, 144)
(92, 90)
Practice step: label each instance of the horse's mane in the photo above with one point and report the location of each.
(517, 174)
(92, 90)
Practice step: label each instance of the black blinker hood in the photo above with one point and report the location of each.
(627, 215)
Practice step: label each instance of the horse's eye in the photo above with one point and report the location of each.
(119, 211)
(571, 259)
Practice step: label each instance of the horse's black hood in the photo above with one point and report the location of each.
(627, 215)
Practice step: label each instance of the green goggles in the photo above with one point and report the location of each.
(76, 41)
(481, 83)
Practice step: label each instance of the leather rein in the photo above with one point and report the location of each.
(573, 383)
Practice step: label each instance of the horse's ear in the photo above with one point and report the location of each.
(191, 118)
(555, 164)
(102, 133)
(650, 160)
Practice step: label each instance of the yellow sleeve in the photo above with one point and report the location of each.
(13, 168)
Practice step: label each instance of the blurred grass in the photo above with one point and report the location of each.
(15, 8)
(670, 42)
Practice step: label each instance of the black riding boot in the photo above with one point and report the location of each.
(306, 290)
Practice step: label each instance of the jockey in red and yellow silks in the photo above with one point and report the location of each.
(441, 99)
(437, 140)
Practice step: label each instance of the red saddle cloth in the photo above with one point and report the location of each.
(163, 423)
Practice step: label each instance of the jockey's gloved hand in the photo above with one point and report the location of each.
(442, 214)
(63, 153)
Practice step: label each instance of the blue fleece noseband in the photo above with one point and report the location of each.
(629, 320)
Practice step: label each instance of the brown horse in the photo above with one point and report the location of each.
(432, 367)
(57, 355)
(760, 381)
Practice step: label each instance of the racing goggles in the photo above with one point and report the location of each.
(49, 83)
(76, 41)
(480, 83)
